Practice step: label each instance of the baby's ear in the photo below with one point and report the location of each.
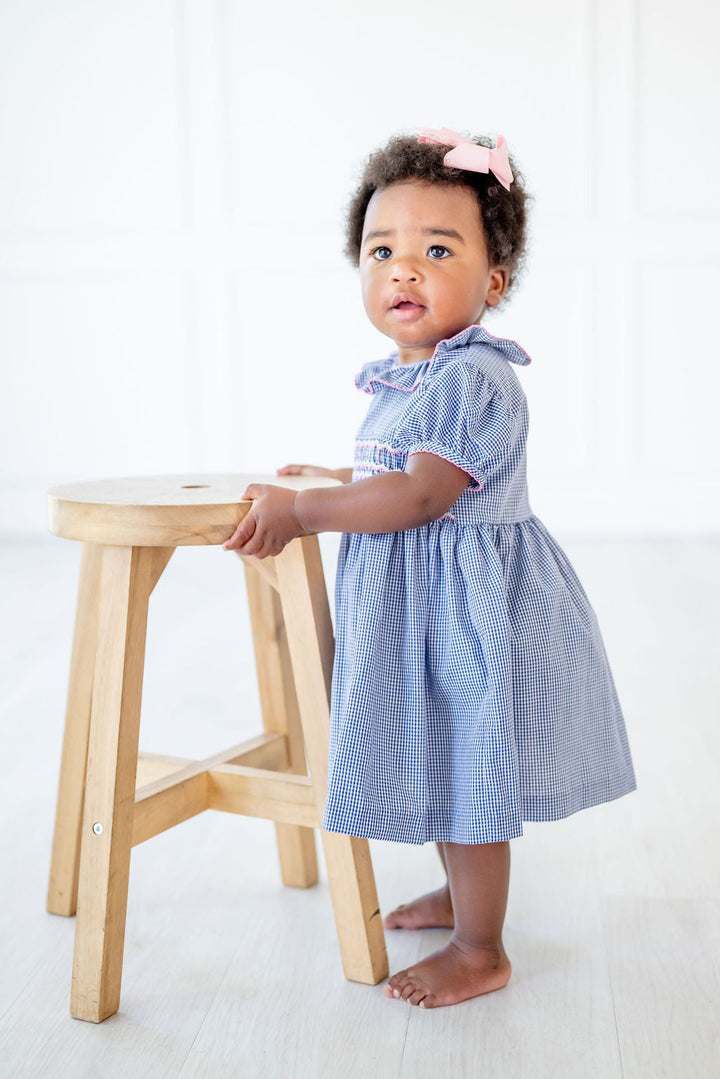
(499, 277)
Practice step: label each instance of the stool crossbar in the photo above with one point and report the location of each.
(112, 797)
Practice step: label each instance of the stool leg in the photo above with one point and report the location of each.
(355, 904)
(65, 861)
(127, 577)
(278, 701)
(303, 594)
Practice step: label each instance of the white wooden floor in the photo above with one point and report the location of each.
(614, 918)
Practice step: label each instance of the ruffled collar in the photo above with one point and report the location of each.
(407, 376)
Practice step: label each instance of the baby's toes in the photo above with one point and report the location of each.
(418, 996)
(396, 984)
(408, 989)
(393, 919)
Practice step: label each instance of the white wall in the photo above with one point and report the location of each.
(172, 186)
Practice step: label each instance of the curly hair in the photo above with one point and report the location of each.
(503, 213)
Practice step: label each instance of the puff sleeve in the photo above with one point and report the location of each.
(462, 415)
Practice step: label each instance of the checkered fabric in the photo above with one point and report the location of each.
(471, 689)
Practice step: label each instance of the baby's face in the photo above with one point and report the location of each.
(424, 265)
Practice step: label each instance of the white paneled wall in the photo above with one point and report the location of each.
(172, 189)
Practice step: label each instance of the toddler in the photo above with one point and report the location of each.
(471, 689)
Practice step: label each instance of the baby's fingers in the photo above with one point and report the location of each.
(242, 534)
(302, 470)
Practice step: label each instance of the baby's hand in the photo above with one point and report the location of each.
(270, 523)
(342, 474)
(305, 470)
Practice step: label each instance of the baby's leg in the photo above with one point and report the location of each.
(474, 960)
(431, 911)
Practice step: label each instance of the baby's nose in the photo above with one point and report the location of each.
(404, 270)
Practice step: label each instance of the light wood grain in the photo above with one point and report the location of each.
(306, 617)
(256, 792)
(264, 567)
(269, 750)
(174, 801)
(65, 861)
(293, 637)
(159, 511)
(126, 580)
(310, 641)
(152, 766)
(176, 794)
(262, 751)
(159, 560)
(279, 706)
(355, 904)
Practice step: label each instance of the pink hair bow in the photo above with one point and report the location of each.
(468, 155)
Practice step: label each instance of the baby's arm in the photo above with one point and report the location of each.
(390, 502)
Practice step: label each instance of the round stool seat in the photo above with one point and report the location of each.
(187, 509)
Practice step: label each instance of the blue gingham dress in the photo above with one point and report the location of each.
(471, 690)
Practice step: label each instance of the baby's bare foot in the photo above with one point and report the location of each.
(431, 911)
(453, 973)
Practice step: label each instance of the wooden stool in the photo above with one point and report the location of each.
(110, 797)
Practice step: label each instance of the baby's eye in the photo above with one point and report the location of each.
(381, 253)
(443, 251)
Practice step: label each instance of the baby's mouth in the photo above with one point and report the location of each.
(406, 305)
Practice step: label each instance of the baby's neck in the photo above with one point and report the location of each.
(419, 353)
(412, 354)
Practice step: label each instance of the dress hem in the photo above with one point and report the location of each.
(530, 815)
